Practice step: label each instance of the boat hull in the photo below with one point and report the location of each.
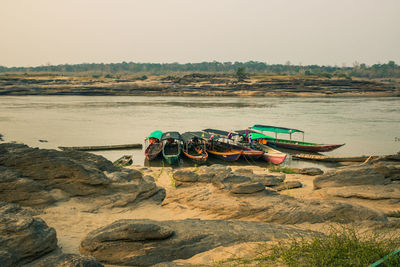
(334, 159)
(198, 159)
(232, 155)
(153, 151)
(271, 155)
(310, 148)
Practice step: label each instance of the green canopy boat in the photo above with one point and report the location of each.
(291, 144)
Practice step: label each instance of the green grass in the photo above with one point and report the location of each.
(395, 214)
(277, 168)
(342, 246)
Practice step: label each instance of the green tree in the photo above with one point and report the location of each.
(241, 74)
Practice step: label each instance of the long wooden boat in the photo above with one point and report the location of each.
(249, 153)
(99, 148)
(292, 144)
(155, 146)
(194, 148)
(172, 145)
(333, 159)
(218, 148)
(224, 153)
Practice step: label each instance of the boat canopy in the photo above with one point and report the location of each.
(220, 132)
(255, 136)
(173, 135)
(187, 136)
(205, 136)
(275, 129)
(155, 134)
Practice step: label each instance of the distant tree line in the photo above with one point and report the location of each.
(386, 70)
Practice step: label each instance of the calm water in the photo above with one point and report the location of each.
(366, 125)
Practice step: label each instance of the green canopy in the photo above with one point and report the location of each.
(155, 134)
(275, 129)
(255, 136)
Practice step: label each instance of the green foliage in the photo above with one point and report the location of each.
(96, 76)
(278, 168)
(241, 74)
(395, 214)
(388, 70)
(342, 246)
(108, 76)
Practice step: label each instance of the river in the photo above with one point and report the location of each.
(368, 126)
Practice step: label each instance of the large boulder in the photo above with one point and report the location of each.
(67, 260)
(22, 190)
(371, 192)
(147, 242)
(53, 169)
(350, 176)
(22, 237)
(41, 177)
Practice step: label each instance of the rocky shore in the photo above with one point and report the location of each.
(197, 85)
(77, 209)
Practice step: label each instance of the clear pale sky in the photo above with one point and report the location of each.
(40, 32)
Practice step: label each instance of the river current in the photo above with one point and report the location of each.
(368, 126)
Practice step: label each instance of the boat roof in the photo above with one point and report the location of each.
(219, 132)
(155, 134)
(254, 134)
(173, 135)
(191, 135)
(205, 135)
(275, 129)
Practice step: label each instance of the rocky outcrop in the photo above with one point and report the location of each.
(67, 260)
(38, 177)
(376, 181)
(240, 181)
(288, 185)
(147, 242)
(22, 237)
(309, 171)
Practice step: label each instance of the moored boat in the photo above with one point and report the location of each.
(333, 159)
(154, 146)
(291, 144)
(172, 145)
(194, 147)
(259, 142)
(237, 142)
(218, 148)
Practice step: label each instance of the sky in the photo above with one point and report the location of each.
(340, 32)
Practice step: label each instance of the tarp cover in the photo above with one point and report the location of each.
(173, 135)
(275, 129)
(155, 134)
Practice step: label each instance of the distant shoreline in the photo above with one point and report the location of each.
(198, 85)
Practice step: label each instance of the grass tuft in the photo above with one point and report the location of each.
(342, 246)
(277, 168)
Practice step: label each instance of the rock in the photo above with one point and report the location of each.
(371, 192)
(42, 177)
(17, 189)
(288, 185)
(245, 172)
(217, 171)
(350, 176)
(53, 169)
(185, 176)
(309, 171)
(247, 188)
(22, 237)
(1, 137)
(68, 260)
(99, 162)
(269, 179)
(265, 206)
(123, 243)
